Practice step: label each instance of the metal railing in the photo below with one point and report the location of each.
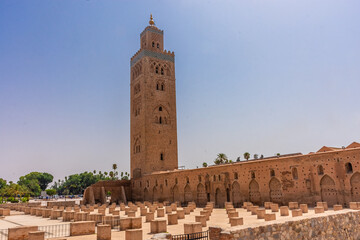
(4, 234)
(55, 231)
(192, 236)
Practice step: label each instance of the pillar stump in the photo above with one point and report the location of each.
(236, 221)
(172, 218)
(133, 234)
(284, 211)
(103, 232)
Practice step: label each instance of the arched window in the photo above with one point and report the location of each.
(147, 183)
(320, 170)
(165, 182)
(157, 86)
(160, 120)
(272, 173)
(219, 178)
(156, 69)
(252, 175)
(161, 156)
(236, 176)
(162, 87)
(162, 71)
(199, 178)
(160, 109)
(158, 45)
(214, 178)
(153, 44)
(294, 173)
(348, 168)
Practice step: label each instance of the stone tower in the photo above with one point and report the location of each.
(153, 130)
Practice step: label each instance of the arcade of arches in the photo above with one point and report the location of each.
(332, 176)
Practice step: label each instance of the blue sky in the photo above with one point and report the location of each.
(258, 76)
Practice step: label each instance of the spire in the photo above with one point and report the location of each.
(151, 22)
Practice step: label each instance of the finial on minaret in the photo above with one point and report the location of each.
(151, 22)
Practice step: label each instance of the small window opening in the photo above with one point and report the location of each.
(294, 173)
(214, 178)
(153, 44)
(272, 173)
(161, 156)
(157, 69)
(162, 71)
(176, 181)
(252, 175)
(348, 168)
(165, 182)
(160, 109)
(157, 86)
(162, 87)
(199, 178)
(158, 45)
(236, 176)
(320, 170)
(187, 180)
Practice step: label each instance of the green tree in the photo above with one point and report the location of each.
(2, 183)
(44, 180)
(221, 159)
(50, 192)
(204, 164)
(247, 156)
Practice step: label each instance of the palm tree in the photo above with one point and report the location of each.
(221, 159)
(94, 171)
(247, 156)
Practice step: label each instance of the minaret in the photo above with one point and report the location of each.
(153, 131)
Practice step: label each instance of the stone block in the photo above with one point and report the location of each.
(21, 233)
(116, 212)
(274, 207)
(68, 216)
(131, 214)
(293, 205)
(319, 210)
(37, 235)
(143, 211)
(322, 204)
(172, 218)
(103, 232)
(190, 228)
(267, 205)
(236, 221)
(304, 208)
(82, 228)
(136, 222)
(284, 211)
(173, 206)
(270, 216)
(168, 209)
(180, 213)
(260, 213)
(296, 212)
(158, 226)
(160, 212)
(149, 217)
(133, 234)
(337, 207)
(4, 212)
(187, 210)
(353, 205)
(254, 209)
(125, 223)
(232, 214)
(201, 219)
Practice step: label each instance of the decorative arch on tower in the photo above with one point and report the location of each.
(161, 115)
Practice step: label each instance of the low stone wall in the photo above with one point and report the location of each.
(61, 203)
(82, 228)
(21, 233)
(337, 226)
